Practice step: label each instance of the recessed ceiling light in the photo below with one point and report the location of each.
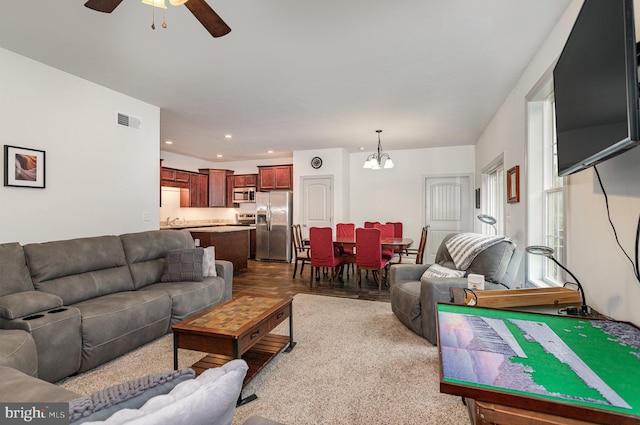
(361, 148)
(228, 136)
(219, 156)
(269, 151)
(168, 142)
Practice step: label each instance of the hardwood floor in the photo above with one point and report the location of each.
(275, 278)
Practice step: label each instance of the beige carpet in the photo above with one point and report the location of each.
(354, 363)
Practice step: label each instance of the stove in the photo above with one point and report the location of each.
(247, 218)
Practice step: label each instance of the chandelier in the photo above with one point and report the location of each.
(379, 159)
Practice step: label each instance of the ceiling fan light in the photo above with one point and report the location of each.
(156, 3)
(177, 2)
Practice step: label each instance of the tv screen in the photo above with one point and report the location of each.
(596, 87)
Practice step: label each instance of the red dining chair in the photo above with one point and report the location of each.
(387, 231)
(370, 224)
(369, 255)
(347, 230)
(397, 233)
(323, 254)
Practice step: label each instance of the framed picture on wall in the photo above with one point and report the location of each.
(478, 198)
(24, 167)
(513, 185)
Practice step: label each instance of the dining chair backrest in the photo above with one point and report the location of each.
(422, 245)
(321, 243)
(386, 230)
(346, 229)
(296, 235)
(368, 247)
(370, 224)
(397, 228)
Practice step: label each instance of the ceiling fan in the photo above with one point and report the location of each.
(200, 9)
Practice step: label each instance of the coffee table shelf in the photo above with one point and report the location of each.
(257, 357)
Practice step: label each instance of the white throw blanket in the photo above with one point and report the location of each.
(465, 247)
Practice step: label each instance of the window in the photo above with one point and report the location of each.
(546, 218)
(493, 186)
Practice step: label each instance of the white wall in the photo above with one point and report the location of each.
(397, 194)
(593, 255)
(100, 177)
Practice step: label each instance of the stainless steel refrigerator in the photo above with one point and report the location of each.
(273, 225)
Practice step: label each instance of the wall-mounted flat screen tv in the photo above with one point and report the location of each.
(596, 87)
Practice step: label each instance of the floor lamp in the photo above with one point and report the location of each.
(487, 219)
(546, 251)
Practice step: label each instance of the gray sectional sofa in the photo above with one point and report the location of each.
(85, 301)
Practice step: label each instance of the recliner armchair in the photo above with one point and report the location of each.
(414, 299)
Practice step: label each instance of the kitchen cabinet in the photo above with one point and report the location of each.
(275, 177)
(231, 243)
(217, 186)
(245, 180)
(174, 178)
(199, 190)
(229, 200)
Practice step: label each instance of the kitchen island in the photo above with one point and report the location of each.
(231, 242)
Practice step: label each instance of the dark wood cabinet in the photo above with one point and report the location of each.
(217, 186)
(174, 178)
(275, 177)
(245, 180)
(199, 190)
(230, 204)
(230, 246)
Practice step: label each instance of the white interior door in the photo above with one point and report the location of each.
(448, 209)
(317, 203)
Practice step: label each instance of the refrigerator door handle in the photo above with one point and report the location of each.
(269, 227)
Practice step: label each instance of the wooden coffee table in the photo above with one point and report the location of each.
(236, 329)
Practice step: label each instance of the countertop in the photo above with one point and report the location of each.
(221, 229)
(190, 226)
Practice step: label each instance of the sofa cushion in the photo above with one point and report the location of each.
(18, 350)
(146, 252)
(79, 269)
(209, 399)
(117, 323)
(183, 265)
(189, 298)
(14, 275)
(22, 304)
(132, 394)
(18, 387)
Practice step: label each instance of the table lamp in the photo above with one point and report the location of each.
(546, 251)
(487, 219)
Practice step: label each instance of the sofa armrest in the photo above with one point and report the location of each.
(406, 272)
(224, 269)
(435, 290)
(20, 304)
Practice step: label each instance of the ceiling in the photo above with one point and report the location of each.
(294, 74)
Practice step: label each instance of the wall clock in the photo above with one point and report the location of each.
(316, 162)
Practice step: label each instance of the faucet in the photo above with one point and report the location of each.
(170, 222)
(167, 222)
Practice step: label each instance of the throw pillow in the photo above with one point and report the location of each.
(209, 399)
(129, 395)
(209, 262)
(183, 265)
(436, 270)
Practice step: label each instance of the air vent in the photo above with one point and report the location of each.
(127, 121)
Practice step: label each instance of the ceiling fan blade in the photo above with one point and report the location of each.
(208, 18)
(106, 6)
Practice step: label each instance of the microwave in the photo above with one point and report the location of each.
(244, 194)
